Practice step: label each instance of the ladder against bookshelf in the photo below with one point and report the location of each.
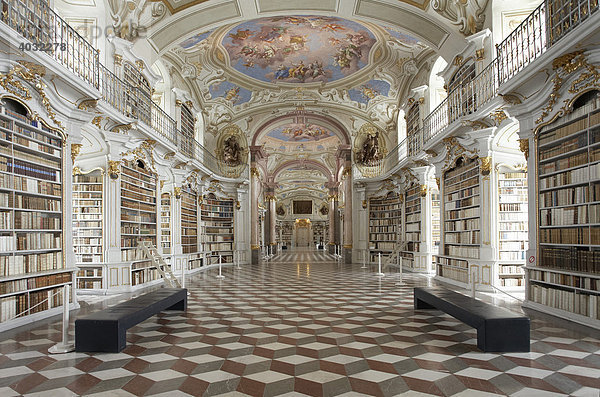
(385, 225)
(566, 278)
(512, 228)
(189, 221)
(32, 267)
(217, 229)
(138, 219)
(87, 229)
(165, 224)
(462, 236)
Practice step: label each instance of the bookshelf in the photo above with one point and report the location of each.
(566, 278)
(512, 228)
(385, 225)
(319, 233)
(435, 221)
(412, 224)
(87, 229)
(138, 218)
(462, 235)
(287, 231)
(189, 221)
(165, 223)
(217, 229)
(32, 267)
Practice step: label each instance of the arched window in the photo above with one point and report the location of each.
(138, 94)
(187, 130)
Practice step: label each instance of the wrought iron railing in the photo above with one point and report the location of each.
(44, 29)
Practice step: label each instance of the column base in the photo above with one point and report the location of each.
(255, 256)
(347, 253)
(331, 249)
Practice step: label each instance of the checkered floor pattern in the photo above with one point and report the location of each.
(306, 328)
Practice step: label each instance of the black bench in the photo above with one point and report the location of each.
(104, 331)
(498, 329)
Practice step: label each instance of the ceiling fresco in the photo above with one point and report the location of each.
(300, 132)
(230, 92)
(369, 90)
(192, 41)
(299, 49)
(402, 37)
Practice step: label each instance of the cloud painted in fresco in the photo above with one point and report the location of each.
(299, 133)
(299, 49)
(231, 92)
(192, 41)
(369, 90)
(402, 37)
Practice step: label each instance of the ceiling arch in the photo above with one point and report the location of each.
(303, 165)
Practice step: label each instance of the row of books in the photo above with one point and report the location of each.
(468, 183)
(572, 235)
(510, 269)
(413, 209)
(137, 205)
(561, 132)
(144, 276)
(463, 193)
(12, 265)
(514, 207)
(413, 217)
(133, 241)
(132, 254)
(513, 226)
(567, 196)
(571, 258)
(413, 236)
(216, 230)
(512, 216)
(217, 208)
(564, 216)
(88, 190)
(463, 252)
(459, 214)
(97, 249)
(413, 227)
(578, 141)
(457, 226)
(19, 154)
(565, 300)
(80, 233)
(36, 220)
(467, 237)
(89, 284)
(142, 218)
(36, 203)
(138, 187)
(143, 229)
(520, 197)
(464, 171)
(23, 284)
(385, 215)
(513, 246)
(217, 246)
(512, 256)
(33, 302)
(374, 237)
(217, 214)
(383, 245)
(512, 282)
(87, 179)
(137, 197)
(216, 238)
(90, 272)
(567, 279)
(514, 235)
(579, 175)
(44, 137)
(564, 163)
(468, 202)
(149, 181)
(24, 168)
(452, 273)
(38, 241)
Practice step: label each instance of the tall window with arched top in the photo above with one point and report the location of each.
(138, 95)
(461, 91)
(413, 128)
(187, 130)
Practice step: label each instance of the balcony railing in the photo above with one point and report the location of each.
(543, 28)
(45, 30)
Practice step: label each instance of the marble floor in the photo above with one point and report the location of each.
(303, 325)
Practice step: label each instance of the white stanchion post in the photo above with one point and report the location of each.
(64, 346)
(400, 265)
(364, 266)
(379, 273)
(238, 258)
(473, 285)
(220, 275)
(183, 276)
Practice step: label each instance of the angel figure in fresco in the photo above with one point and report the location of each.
(232, 151)
(241, 34)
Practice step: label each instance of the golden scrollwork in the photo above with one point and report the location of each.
(458, 60)
(364, 204)
(143, 152)
(423, 191)
(178, 102)
(333, 197)
(237, 205)
(269, 197)
(475, 124)
(96, 121)
(162, 184)
(118, 59)
(437, 182)
(122, 128)
(75, 149)
(421, 100)
(87, 104)
(524, 146)
(498, 116)
(177, 192)
(254, 172)
(485, 165)
(480, 54)
(511, 99)
(140, 64)
(189, 104)
(114, 168)
(347, 172)
(455, 150)
(431, 152)
(169, 156)
(77, 171)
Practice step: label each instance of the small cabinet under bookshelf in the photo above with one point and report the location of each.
(566, 278)
(32, 266)
(512, 227)
(385, 225)
(189, 221)
(217, 229)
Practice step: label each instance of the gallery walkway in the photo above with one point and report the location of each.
(309, 327)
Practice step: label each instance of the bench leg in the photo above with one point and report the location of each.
(181, 305)
(420, 304)
(94, 336)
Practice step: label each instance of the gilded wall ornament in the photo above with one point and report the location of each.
(114, 168)
(480, 54)
(75, 149)
(475, 124)
(524, 146)
(122, 128)
(118, 59)
(423, 191)
(87, 104)
(96, 121)
(511, 99)
(177, 192)
(143, 152)
(485, 166)
(498, 116)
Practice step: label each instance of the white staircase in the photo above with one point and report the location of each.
(163, 268)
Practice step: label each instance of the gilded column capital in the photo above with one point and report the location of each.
(75, 150)
(423, 191)
(485, 165)
(524, 146)
(114, 168)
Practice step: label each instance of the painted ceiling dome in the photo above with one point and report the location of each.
(298, 49)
